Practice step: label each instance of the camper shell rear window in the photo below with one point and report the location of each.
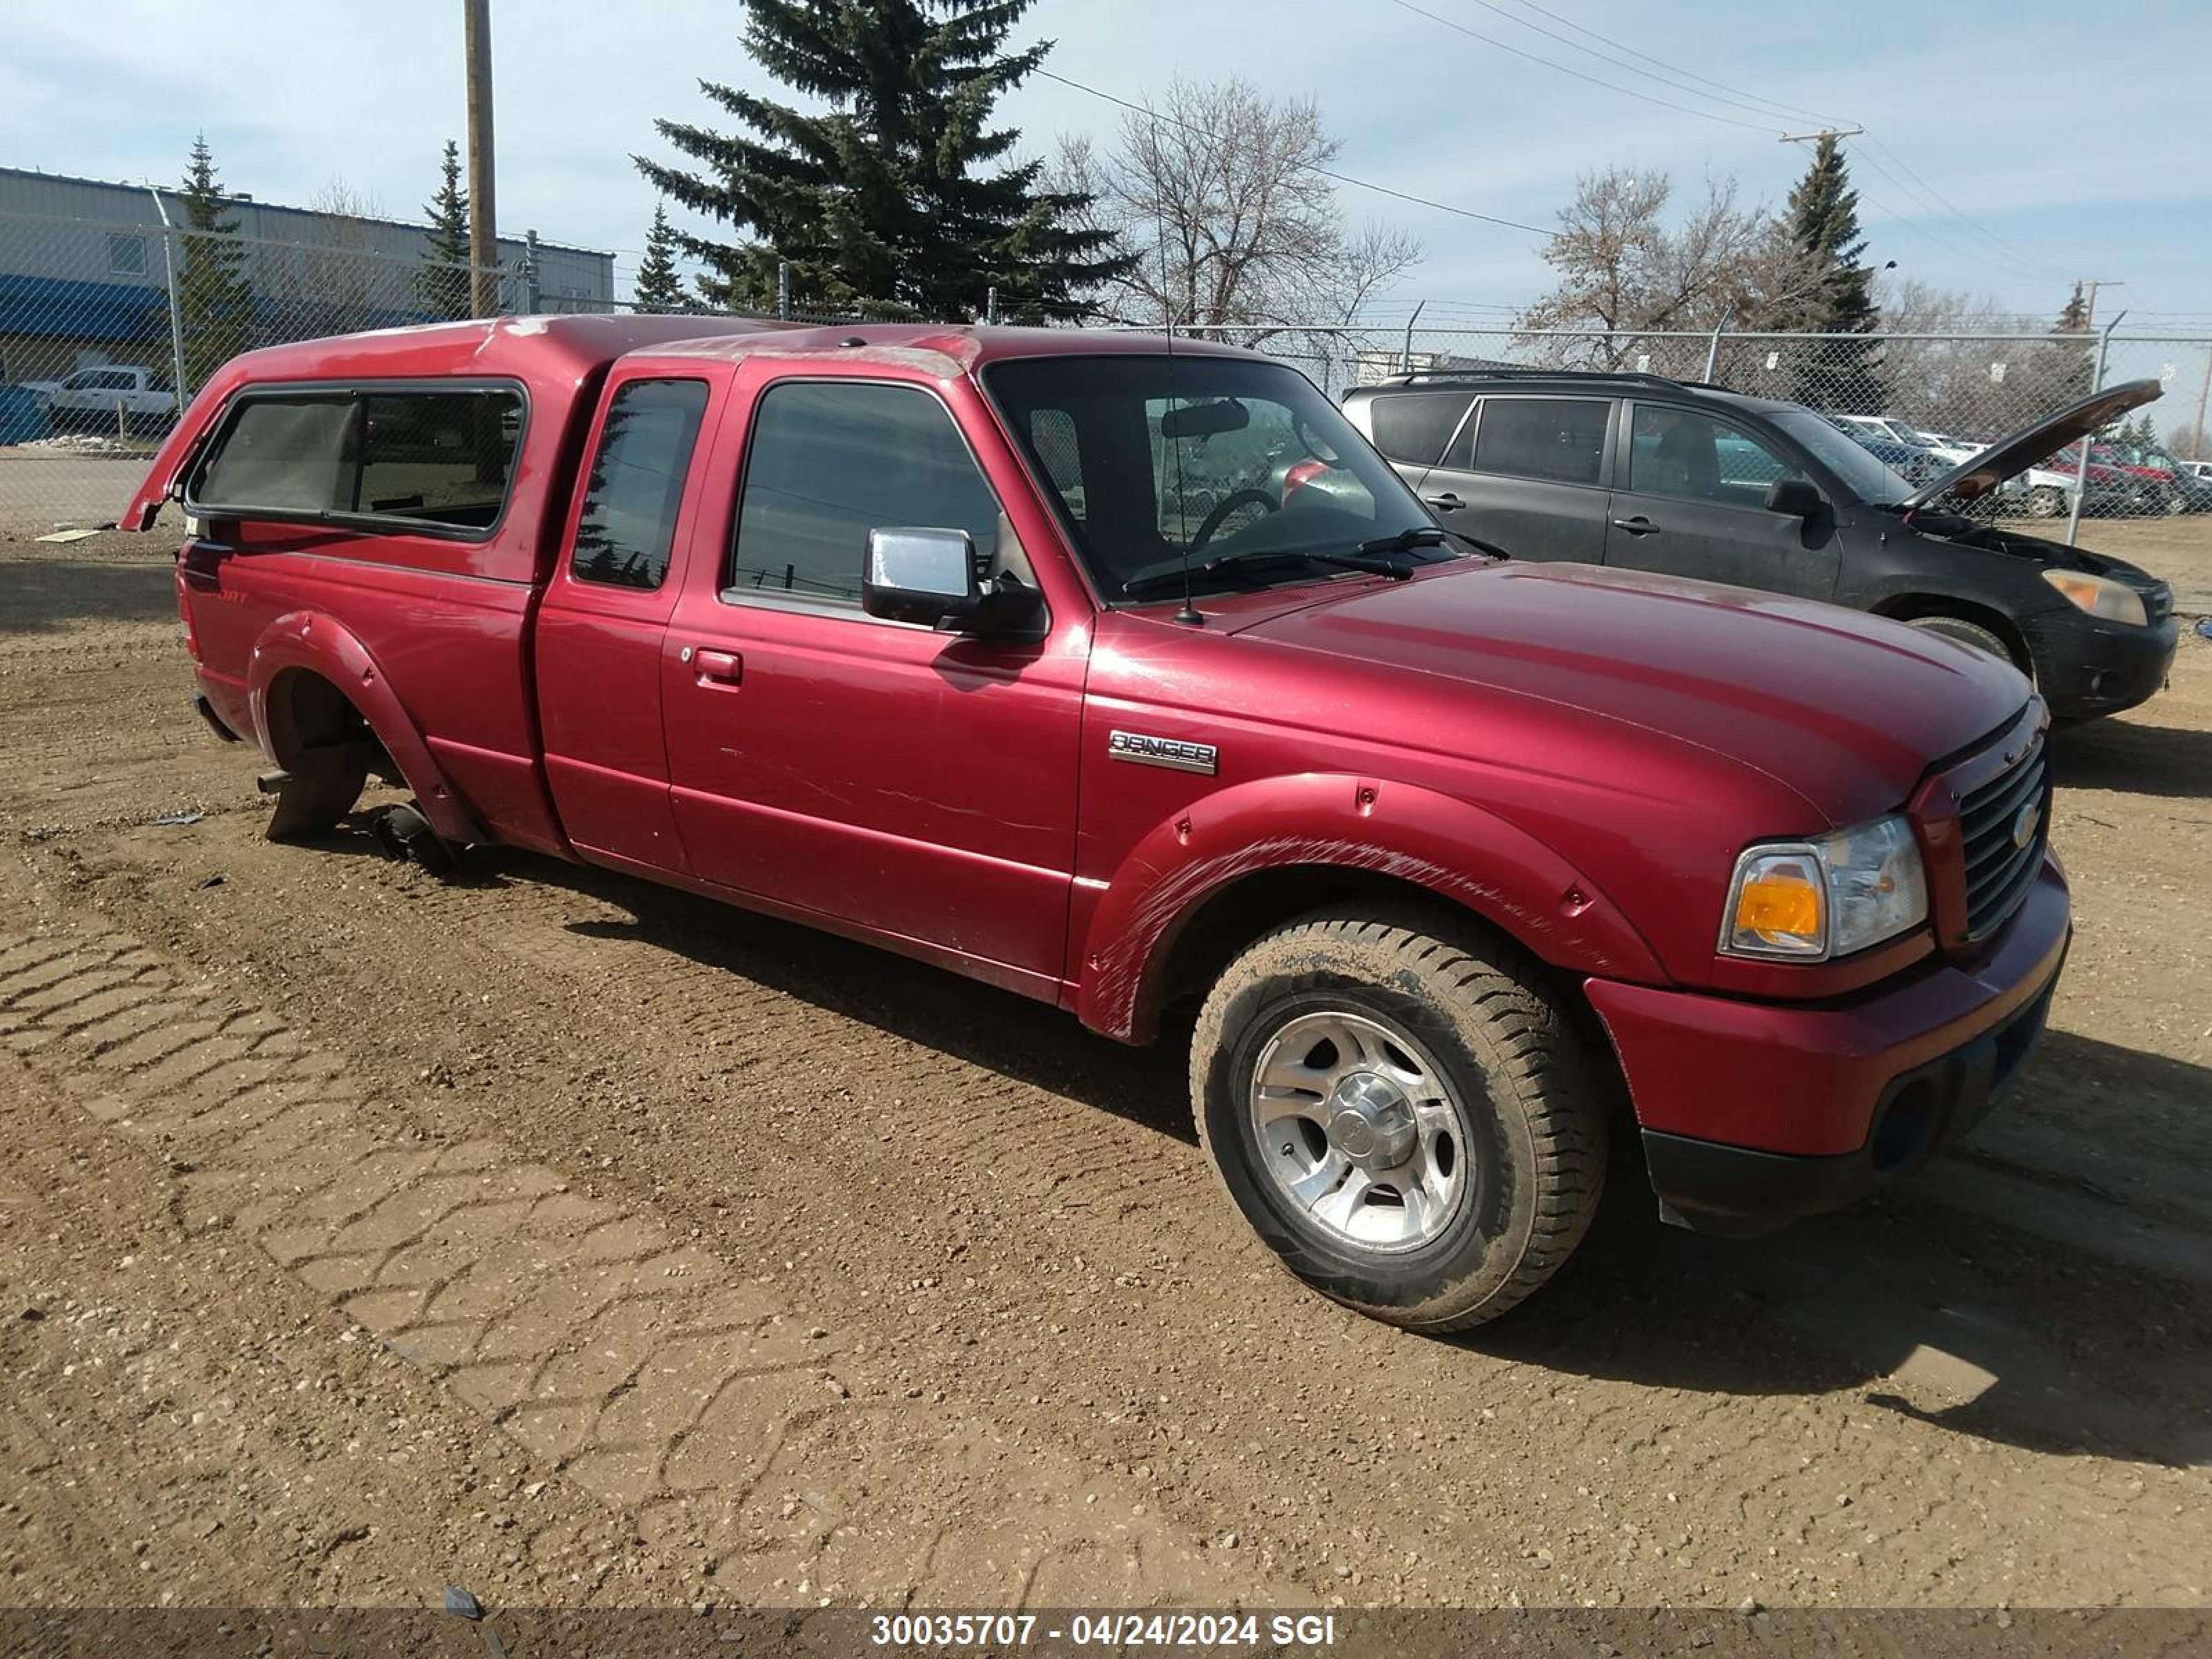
(415, 458)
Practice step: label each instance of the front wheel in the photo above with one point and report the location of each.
(1402, 1111)
(1973, 633)
(2046, 501)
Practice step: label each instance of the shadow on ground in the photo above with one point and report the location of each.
(2131, 754)
(44, 595)
(1925, 1309)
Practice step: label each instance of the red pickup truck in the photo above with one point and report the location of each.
(1131, 679)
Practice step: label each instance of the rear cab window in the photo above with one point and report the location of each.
(1556, 440)
(627, 526)
(435, 460)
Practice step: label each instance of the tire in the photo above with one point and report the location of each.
(1967, 633)
(1509, 1138)
(2046, 501)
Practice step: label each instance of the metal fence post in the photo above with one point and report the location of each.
(991, 304)
(2082, 467)
(176, 311)
(783, 289)
(530, 285)
(1713, 351)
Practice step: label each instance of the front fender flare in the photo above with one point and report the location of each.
(308, 639)
(1458, 851)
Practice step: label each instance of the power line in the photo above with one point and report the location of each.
(1671, 68)
(1963, 250)
(1736, 97)
(1723, 95)
(1987, 234)
(1628, 92)
(1325, 173)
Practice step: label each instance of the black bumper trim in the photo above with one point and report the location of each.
(205, 710)
(1740, 1192)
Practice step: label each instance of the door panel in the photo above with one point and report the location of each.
(600, 630)
(1693, 507)
(917, 783)
(1527, 474)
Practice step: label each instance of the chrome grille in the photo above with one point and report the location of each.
(1999, 870)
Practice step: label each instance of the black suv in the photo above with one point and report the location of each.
(1694, 480)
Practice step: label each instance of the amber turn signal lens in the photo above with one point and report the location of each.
(1779, 901)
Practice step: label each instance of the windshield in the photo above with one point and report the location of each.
(1860, 471)
(1244, 470)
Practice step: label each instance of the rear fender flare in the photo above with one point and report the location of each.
(1460, 852)
(310, 640)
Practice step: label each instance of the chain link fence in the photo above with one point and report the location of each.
(1921, 402)
(105, 331)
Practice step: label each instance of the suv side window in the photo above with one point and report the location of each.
(629, 519)
(1413, 427)
(830, 461)
(1559, 439)
(1683, 453)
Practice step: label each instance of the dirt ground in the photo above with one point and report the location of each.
(555, 1235)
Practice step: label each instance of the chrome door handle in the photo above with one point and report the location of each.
(1638, 526)
(1446, 502)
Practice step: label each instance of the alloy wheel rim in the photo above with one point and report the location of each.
(1359, 1131)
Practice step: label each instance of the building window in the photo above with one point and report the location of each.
(126, 255)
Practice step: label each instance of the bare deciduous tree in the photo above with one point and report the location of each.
(335, 282)
(1626, 270)
(1217, 190)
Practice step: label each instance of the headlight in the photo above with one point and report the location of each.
(2100, 596)
(1809, 901)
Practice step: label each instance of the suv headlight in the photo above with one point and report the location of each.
(1806, 900)
(2100, 596)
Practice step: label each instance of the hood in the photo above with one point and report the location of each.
(1848, 711)
(2002, 460)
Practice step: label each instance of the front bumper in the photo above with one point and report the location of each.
(1756, 1113)
(2085, 667)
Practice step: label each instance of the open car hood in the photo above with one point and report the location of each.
(1971, 479)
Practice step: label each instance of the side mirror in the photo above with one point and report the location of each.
(1796, 497)
(928, 576)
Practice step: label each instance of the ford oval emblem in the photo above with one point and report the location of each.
(2023, 827)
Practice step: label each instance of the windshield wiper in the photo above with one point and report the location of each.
(1232, 563)
(1424, 535)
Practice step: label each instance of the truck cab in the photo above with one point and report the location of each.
(1123, 674)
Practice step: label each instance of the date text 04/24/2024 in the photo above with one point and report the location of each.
(939, 1631)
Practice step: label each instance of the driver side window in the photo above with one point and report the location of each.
(829, 462)
(1693, 457)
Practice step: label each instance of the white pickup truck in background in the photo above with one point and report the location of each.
(89, 399)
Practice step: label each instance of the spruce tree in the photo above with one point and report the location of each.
(659, 287)
(1822, 222)
(897, 195)
(215, 300)
(443, 285)
(2074, 315)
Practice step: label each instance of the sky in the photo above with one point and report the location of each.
(2011, 148)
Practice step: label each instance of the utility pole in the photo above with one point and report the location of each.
(1824, 132)
(2089, 285)
(483, 216)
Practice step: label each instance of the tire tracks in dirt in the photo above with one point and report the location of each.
(634, 1364)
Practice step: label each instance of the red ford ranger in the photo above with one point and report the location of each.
(1133, 680)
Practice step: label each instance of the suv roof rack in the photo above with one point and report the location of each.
(1420, 376)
